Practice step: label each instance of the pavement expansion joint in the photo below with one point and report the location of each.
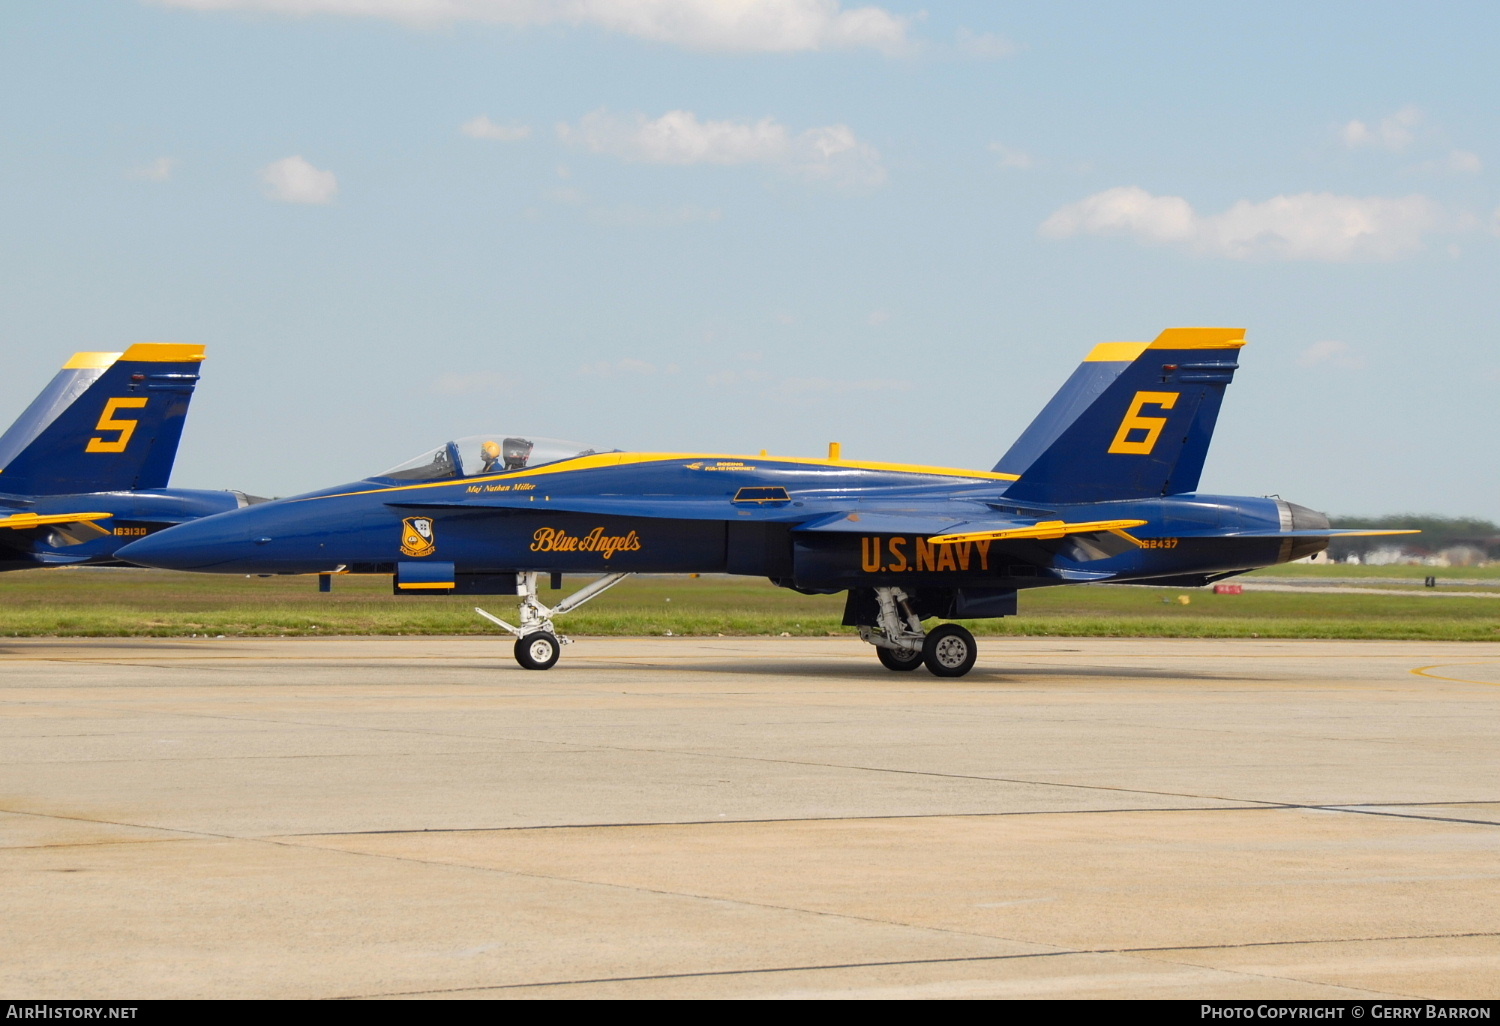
(1242, 805)
(609, 885)
(1362, 810)
(1017, 956)
(643, 824)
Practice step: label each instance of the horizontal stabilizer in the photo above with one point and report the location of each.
(1047, 530)
(20, 521)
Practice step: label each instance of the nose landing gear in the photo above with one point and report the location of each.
(538, 644)
(538, 651)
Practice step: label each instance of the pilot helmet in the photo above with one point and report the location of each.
(490, 451)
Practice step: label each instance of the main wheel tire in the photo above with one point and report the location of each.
(903, 659)
(949, 651)
(537, 651)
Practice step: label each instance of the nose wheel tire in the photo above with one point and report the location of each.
(949, 651)
(903, 659)
(537, 651)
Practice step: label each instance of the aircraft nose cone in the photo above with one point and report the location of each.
(193, 546)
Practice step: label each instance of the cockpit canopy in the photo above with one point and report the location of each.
(486, 454)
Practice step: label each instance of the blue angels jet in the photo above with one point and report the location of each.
(1100, 488)
(84, 469)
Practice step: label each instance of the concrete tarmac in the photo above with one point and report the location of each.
(743, 817)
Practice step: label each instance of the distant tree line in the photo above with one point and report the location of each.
(1438, 533)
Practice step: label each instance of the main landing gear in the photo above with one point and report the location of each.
(537, 642)
(902, 644)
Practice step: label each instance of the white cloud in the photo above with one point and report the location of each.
(1332, 354)
(159, 170)
(1465, 163)
(830, 154)
(985, 45)
(1408, 128)
(294, 180)
(1457, 162)
(833, 154)
(1307, 226)
(1012, 158)
(1127, 210)
(483, 128)
(744, 25)
(678, 137)
(1394, 133)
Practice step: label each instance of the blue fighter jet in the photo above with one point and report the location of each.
(1100, 488)
(84, 469)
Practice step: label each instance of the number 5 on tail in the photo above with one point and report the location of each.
(125, 427)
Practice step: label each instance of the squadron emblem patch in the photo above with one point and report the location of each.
(416, 537)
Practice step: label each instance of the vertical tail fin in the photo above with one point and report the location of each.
(81, 371)
(106, 422)
(1105, 362)
(1147, 433)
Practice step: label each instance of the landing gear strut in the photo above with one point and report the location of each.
(537, 642)
(902, 644)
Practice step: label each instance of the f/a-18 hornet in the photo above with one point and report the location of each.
(1101, 488)
(84, 469)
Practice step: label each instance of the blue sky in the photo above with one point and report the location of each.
(717, 225)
